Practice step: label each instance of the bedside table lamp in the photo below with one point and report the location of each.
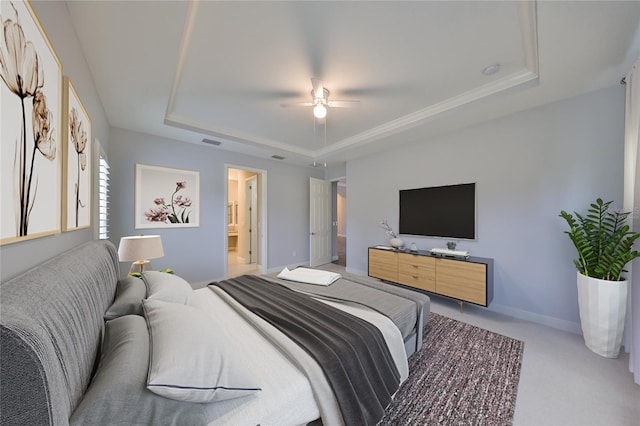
(139, 249)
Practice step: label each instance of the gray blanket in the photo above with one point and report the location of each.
(404, 312)
(351, 352)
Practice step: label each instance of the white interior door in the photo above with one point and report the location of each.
(319, 222)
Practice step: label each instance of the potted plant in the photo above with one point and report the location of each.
(605, 245)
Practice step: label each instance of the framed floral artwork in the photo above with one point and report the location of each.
(76, 137)
(166, 197)
(30, 127)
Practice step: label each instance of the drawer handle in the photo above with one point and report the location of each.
(415, 277)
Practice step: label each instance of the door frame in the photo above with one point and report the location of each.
(334, 207)
(334, 201)
(262, 221)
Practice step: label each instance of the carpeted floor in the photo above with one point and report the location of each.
(463, 375)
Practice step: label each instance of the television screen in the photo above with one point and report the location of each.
(439, 211)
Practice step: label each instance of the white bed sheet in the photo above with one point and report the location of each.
(287, 396)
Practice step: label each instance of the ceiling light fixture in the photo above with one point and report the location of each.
(319, 111)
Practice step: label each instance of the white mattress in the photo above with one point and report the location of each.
(287, 395)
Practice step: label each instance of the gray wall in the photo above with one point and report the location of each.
(54, 16)
(527, 167)
(197, 254)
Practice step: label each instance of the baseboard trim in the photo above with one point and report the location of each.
(557, 323)
(356, 271)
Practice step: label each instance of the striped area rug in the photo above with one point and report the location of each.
(463, 375)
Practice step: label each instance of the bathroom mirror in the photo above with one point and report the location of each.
(232, 213)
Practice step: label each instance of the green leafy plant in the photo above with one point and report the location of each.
(603, 240)
(139, 275)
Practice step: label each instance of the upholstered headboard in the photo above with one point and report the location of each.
(51, 322)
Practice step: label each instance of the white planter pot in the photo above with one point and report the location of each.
(603, 306)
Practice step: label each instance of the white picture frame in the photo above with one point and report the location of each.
(166, 197)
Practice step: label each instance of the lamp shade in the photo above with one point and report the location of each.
(141, 247)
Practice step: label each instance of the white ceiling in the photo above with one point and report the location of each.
(220, 70)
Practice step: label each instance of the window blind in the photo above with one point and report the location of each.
(103, 200)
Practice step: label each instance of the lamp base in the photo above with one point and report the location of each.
(139, 266)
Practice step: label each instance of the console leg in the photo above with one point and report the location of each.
(460, 303)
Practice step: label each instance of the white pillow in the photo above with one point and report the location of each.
(309, 276)
(168, 288)
(191, 357)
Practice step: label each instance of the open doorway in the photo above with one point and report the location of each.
(244, 221)
(339, 191)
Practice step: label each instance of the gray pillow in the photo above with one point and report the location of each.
(117, 392)
(168, 288)
(192, 358)
(129, 294)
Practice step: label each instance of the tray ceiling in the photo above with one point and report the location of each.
(220, 70)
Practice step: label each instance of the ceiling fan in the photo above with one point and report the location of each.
(321, 100)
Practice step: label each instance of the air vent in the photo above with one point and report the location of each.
(278, 157)
(212, 142)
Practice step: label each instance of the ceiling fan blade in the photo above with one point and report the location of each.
(343, 104)
(304, 104)
(318, 88)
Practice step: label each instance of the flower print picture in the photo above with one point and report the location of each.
(30, 127)
(177, 210)
(166, 197)
(77, 194)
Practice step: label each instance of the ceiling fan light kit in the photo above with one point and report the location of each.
(319, 111)
(320, 102)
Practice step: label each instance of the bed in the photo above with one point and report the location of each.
(82, 346)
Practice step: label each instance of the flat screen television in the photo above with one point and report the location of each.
(439, 211)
